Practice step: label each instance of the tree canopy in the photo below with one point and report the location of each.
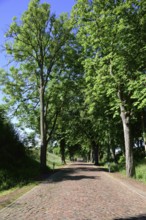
(80, 80)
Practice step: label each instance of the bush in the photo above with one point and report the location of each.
(113, 167)
(121, 162)
(139, 153)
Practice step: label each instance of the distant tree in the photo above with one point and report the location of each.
(68, 95)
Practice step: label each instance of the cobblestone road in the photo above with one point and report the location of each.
(79, 192)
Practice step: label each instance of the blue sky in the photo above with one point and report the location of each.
(11, 8)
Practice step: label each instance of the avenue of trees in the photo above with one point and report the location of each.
(80, 81)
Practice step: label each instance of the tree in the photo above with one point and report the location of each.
(113, 36)
(69, 97)
(36, 43)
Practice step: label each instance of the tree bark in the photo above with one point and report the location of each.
(108, 152)
(143, 121)
(43, 153)
(113, 154)
(130, 169)
(95, 152)
(62, 150)
(89, 156)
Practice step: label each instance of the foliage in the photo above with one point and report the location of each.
(37, 52)
(113, 37)
(112, 167)
(80, 86)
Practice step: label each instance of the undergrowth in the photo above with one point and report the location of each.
(140, 168)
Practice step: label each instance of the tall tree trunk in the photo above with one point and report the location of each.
(62, 150)
(108, 152)
(95, 152)
(130, 169)
(91, 155)
(113, 154)
(113, 149)
(42, 130)
(143, 122)
(144, 138)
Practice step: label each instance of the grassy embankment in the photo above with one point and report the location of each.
(25, 173)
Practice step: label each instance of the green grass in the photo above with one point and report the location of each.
(26, 171)
(17, 179)
(14, 193)
(51, 158)
(141, 171)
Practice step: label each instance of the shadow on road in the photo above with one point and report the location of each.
(75, 178)
(89, 167)
(139, 217)
(74, 173)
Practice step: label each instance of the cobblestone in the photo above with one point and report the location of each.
(79, 192)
